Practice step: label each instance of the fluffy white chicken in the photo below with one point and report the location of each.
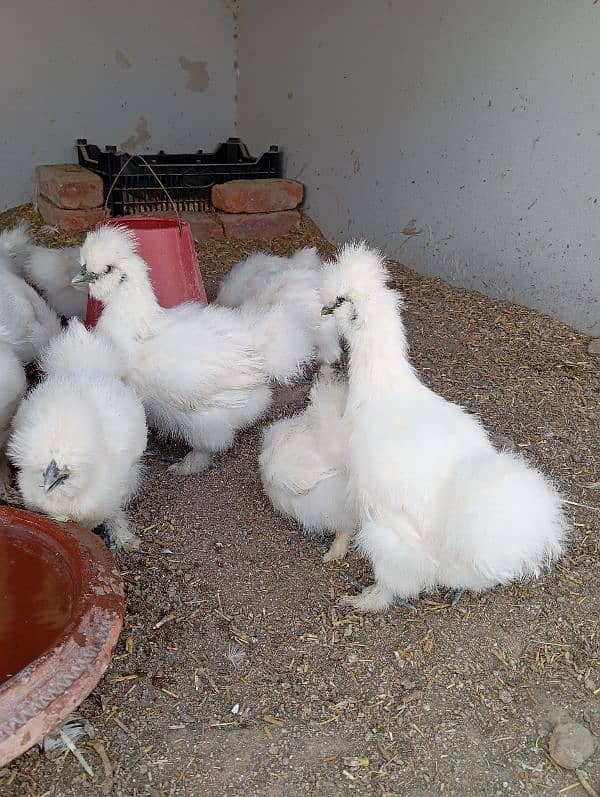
(303, 465)
(12, 389)
(25, 317)
(79, 436)
(51, 272)
(202, 373)
(263, 281)
(437, 503)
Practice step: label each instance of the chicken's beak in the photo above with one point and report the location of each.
(82, 276)
(53, 475)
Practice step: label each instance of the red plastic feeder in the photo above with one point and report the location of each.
(167, 246)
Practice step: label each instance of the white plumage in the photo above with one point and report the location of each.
(303, 465)
(51, 272)
(15, 248)
(26, 319)
(262, 281)
(202, 373)
(79, 436)
(437, 503)
(79, 351)
(257, 278)
(12, 389)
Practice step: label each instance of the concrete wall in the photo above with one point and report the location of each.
(463, 138)
(144, 75)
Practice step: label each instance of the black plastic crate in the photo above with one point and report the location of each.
(187, 178)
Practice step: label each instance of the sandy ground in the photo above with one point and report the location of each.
(236, 673)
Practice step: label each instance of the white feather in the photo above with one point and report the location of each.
(262, 281)
(282, 337)
(257, 277)
(15, 248)
(26, 319)
(437, 503)
(77, 350)
(303, 464)
(12, 389)
(50, 271)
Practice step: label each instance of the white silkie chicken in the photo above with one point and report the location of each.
(51, 272)
(303, 465)
(12, 388)
(203, 373)
(25, 317)
(79, 436)
(437, 503)
(263, 281)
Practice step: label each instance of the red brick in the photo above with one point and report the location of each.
(259, 225)
(257, 196)
(70, 186)
(68, 220)
(204, 226)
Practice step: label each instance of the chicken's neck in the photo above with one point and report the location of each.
(133, 307)
(379, 363)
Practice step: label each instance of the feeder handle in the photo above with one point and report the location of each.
(154, 174)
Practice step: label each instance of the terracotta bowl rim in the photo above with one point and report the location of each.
(35, 700)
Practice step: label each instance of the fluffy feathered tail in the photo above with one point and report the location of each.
(16, 246)
(283, 340)
(503, 517)
(306, 258)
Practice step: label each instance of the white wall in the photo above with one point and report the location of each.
(477, 119)
(148, 75)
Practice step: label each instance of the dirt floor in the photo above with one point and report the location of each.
(236, 673)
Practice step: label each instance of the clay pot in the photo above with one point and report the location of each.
(61, 612)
